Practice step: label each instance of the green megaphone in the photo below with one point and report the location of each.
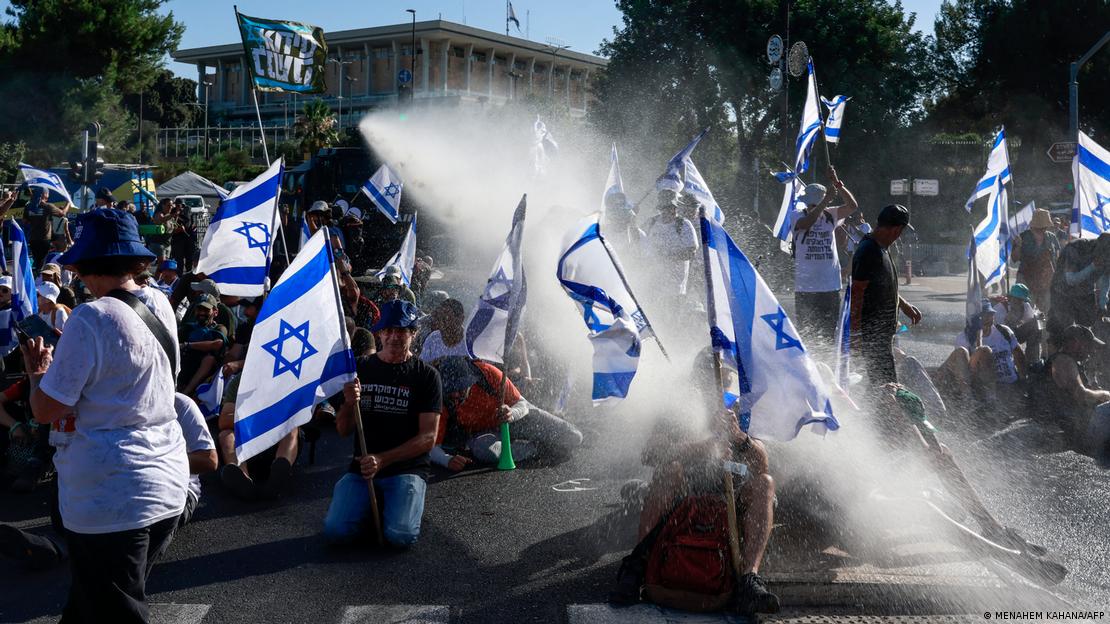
(506, 461)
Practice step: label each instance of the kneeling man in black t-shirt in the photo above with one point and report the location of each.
(399, 397)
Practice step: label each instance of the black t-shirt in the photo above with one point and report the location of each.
(872, 264)
(243, 333)
(393, 397)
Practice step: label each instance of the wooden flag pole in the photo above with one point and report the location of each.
(376, 516)
(730, 489)
(628, 287)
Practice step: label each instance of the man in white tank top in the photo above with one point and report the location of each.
(816, 266)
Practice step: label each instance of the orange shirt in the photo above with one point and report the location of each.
(479, 411)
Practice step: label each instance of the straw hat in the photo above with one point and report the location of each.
(1041, 219)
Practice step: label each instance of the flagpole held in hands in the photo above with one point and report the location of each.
(820, 115)
(375, 515)
(628, 287)
(711, 314)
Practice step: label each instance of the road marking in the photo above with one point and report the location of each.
(160, 613)
(573, 485)
(644, 614)
(396, 614)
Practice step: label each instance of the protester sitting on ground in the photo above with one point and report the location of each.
(1074, 300)
(475, 411)
(817, 294)
(673, 242)
(168, 276)
(123, 475)
(426, 325)
(225, 317)
(393, 287)
(265, 475)
(448, 337)
(24, 444)
(1073, 402)
(203, 347)
(1037, 250)
(399, 399)
(54, 313)
(1016, 312)
(620, 228)
(687, 463)
(41, 552)
(987, 364)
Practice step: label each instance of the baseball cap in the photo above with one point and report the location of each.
(206, 301)
(987, 307)
(168, 265)
(207, 287)
(6, 281)
(319, 206)
(396, 313)
(893, 216)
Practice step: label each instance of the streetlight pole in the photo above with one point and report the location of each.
(555, 49)
(140, 127)
(1073, 86)
(342, 74)
(207, 84)
(412, 58)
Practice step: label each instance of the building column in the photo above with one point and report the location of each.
(585, 88)
(490, 62)
(446, 64)
(245, 79)
(394, 63)
(531, 70)
(368, 74)
(568, 86)
(551, 79)
(425, 63)
(510, 90)
(469, 53)
(202, 69)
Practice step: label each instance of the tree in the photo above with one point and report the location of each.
(316, 128)
(166, 101)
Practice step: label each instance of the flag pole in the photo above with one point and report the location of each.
(358, 408)
(820, 115)
(505, 461)
(711, 313)
(628, 287)
(254, 96)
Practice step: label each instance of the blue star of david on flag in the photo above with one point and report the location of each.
(1099, 211)
(247, 231)
(391, 190)
(783, 340)
(276, 348)
(501, 301)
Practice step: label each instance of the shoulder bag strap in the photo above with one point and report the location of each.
(153, 324)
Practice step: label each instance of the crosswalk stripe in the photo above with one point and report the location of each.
(396, 614)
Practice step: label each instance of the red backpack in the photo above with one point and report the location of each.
(689, 565)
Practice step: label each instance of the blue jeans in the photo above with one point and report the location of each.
(402, 508)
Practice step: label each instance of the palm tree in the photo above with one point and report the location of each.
(315, 127)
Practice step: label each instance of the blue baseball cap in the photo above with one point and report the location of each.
(168, 265)
(396, 313)
(105, 233)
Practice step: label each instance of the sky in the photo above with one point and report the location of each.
(582, 24)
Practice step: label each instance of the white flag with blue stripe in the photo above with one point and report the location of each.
(1020, 221)
(991, 237)
(998, 166)
(44, 180)
(236, 249)
(25, 300)
(210, 395)
(780, 390)
(844, 341)
(405, 258)
(682, 176)
(299, 354)
(494, 323)
(384, 190)
(615, 323)
(803, 146)
(613, 184)
(836, 108)
(305, 232)
(1090, 210)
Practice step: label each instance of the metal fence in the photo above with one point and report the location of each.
(183, 143)
(931, 259)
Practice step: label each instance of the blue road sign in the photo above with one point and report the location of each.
(404, 76)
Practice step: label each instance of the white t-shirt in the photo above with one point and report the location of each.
(665, 238)
(1027, 313)
(56, 319)
(195, 430)
(1002, 349)
(816, 265)
(434, 348)
(124, 466)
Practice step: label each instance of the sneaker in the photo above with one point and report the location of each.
(35, 551)
(752, 596)
(237, 482)
(279, 478)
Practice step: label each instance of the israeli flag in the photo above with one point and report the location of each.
(844, 341)
(1020, 221)
(305, 232)
(236, 249)
(299, 354)
(494, 323)
(384, 190)
(694, 186)
(405, 258)
(676, 166)
(210, 395)
(803, 146)
(44, 180)
(780, 390)
(682, 176)
(998, 166)
(588, 273)
(1090, 210)
(835, 118)
(25, 300)
(991, 238)
(613, 184)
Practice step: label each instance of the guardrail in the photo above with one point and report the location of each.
(182, 143)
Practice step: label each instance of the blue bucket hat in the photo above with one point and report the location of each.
(396, 313)
(105, 233)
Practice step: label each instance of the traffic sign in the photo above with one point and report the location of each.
(775, 79)
(404, 76)
(774, 49)
(900, 187)
(1062, 151)
(926, 188)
